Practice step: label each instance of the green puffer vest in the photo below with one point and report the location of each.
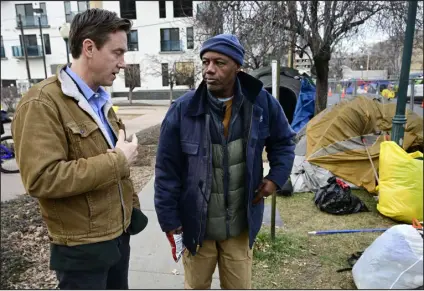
(227, 217)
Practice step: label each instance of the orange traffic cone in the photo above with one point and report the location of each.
(343, 93)
(329, 92)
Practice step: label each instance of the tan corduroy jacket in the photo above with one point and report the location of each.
(85, 193)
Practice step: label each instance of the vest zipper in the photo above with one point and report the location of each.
(225, 164)
(247, 150)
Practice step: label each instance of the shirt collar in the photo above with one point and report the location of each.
(86, 90)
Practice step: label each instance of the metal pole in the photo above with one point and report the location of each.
(24, 49)
(67, 50)
(412, 100)
(399, 120)
(276, 93)
(42, 46)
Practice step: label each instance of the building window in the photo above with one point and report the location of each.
(68, 13)
(128, 9)
(54, 69)
(132, 76)
(29, 19)
(47, 47)
(162, 9)
(33, 48)
(190, 38)
(83, 6)
(132, 40)
(183, 8)
(170, 39)
(184, 73)
(165, 75)
(3, 53)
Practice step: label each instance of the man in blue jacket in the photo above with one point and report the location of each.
(209, 171)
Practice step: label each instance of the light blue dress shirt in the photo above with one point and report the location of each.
(96, 100)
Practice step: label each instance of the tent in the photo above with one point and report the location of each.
(334, 143)
(305, 106)
(289, 87)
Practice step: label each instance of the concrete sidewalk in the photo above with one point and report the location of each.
(151, 262)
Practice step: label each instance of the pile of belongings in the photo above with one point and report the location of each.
(344, 141)
(337, 198)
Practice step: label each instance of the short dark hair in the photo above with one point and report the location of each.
(95, 24)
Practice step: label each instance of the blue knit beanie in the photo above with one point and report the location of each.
(226, 44)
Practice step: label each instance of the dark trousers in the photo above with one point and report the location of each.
(113, 277)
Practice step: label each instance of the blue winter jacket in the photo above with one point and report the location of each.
(183, 172)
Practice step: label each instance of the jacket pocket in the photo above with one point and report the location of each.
(86, 140)
(191, 161)
(189, 148)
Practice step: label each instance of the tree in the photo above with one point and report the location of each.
(174, 72)
(250, 22)
(321, 25)
(10, 97)
(133, 77)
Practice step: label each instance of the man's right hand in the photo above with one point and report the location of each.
(175, 231)
(128, 148)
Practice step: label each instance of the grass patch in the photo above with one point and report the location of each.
(296, 260)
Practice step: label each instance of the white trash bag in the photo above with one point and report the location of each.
(393, 261)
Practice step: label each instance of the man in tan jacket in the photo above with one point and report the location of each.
(73, 157)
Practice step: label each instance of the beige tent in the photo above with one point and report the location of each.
(334, 138)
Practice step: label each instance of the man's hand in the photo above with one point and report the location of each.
(128, 148)
(175, 231)
(266, 188)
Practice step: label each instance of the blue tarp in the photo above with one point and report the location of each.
(305, 106)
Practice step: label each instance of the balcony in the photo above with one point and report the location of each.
(3, 54)
(171, 46)
(32, 21)
(34, 51)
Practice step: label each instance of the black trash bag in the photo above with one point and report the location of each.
(287, 189)
(336, 198)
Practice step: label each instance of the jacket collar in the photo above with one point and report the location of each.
(250, 88)
(70, 90)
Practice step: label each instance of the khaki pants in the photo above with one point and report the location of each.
(234, 258)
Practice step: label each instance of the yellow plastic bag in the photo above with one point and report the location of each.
(400, 183)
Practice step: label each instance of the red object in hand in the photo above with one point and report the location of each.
(177, 245)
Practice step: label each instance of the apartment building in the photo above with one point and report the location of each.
(160, 43)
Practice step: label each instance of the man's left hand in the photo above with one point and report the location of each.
(266, 188)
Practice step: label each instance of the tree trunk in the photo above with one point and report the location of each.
(170, 95)
(130, 95)
(322, 68)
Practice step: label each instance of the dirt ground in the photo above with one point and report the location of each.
(25, 250)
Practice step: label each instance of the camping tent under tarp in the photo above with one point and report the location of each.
(289, 87)
(333, 138)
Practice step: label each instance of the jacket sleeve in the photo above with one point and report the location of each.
(279, 145)
(41, 149)
(168, 183)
